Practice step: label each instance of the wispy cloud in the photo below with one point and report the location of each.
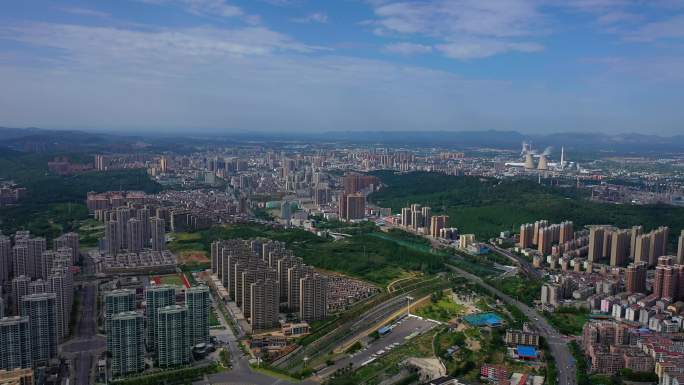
(671, 28)
(106, 47)
(85, 12)
(220, 8)
(475, 49)
(315, 17)
(405, 48)
(464, 29)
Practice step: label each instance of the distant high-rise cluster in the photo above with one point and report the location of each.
(180, 210)
(262, 276)
(166, 329)
(621, 245)
(668, 282)
(420, 219)
(355, 183)
(351, 206)
(133, 230)
(37, 316)
(618, 247)
(11, 194)
(416, 217)
(549, 238)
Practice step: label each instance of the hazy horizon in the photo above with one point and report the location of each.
(279, 66)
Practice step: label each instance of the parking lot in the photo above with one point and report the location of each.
(401, 332)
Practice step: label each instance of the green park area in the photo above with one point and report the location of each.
(368, 255)
(521, 288)
(487, 206)
(568, 320)
(441, 308)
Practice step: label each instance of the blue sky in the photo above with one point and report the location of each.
(302, 65)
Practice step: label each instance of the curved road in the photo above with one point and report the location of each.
(558, 346)
(526, 266)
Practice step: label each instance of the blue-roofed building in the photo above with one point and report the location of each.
(484, 319)
(525, 352)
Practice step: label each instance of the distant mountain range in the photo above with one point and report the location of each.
(621, 143)
(36, 139)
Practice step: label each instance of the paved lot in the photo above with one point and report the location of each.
(408, 326)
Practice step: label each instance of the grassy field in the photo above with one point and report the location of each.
(171, 280)
(568, 321)
(486, 206)
(441, 309)
(523, 289)
(90, 231)
(187, 242)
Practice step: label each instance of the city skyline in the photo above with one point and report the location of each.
(172, 66)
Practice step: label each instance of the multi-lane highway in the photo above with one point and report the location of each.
(558, 346)
(524, 264)
(86, 345)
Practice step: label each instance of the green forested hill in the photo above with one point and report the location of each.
(486, 206)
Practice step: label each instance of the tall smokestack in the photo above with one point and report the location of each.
(529, 161)
(543, 165)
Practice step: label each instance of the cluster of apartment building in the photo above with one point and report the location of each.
(37, 298)
(557, 245)
(133, 263)
(612, 346)
(61, 165)
(132, 230)
(627, 280)
(502, 375)
(10, 194)
(166, 329)
(262, 276)
(107, 162)
(180, 210)
(419, 219)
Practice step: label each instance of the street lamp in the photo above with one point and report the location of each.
(408, 305)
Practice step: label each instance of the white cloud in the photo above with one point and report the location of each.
(449, 18)
(213, 7)
(219, 8)
(86, 45)
(85, 12)
(671, 28)
(315, 17)
(252, 79)
(464, 28)
(406, 48)
(476, 49)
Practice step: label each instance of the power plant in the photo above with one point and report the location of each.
(534, 161)
(543, 161)
(543, 164)
(529, 161)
